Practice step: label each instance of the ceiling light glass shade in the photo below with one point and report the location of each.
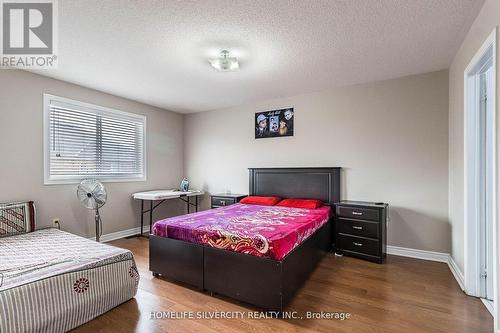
(225, 63)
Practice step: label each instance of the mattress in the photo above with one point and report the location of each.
(263, 231)
(53, 281)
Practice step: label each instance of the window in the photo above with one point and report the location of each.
(88, 141)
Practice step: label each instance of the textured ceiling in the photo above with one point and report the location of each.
(156, 52)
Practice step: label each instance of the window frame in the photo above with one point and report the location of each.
(54, 180)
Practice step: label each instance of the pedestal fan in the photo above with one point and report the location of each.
(92, 194)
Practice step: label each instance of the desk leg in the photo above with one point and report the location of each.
(151, 216)
(142, 216)
(187, 203)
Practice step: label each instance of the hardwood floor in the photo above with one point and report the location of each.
(402, 295)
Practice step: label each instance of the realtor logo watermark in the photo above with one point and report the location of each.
(29, 34)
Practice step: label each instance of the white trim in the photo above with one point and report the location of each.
(432, 256)
(77, 180)
(457, 273)
(392, 250)
(121, 234)
(471, 242)
(489, 305)
(496, 268)
(51, 180)
(418, 254)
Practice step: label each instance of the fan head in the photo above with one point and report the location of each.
(91, 193)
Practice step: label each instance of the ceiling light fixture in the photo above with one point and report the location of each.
(225, 63)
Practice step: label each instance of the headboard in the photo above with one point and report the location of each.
(17, 218)
(305, 183)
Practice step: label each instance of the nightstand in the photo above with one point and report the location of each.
(225, 199)
(361, 229)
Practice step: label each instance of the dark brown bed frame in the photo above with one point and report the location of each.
(266, 283)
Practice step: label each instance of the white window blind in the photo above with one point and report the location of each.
(86, 140)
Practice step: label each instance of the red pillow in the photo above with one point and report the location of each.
(264, 201)
(300, 203)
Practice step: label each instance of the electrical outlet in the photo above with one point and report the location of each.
(56, 223)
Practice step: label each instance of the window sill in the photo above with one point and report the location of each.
(101, 179)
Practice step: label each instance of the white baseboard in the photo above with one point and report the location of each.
(418, 254)
(121, 234)
(488, 305)
(432, 256)
(457, 273)
(393, 250)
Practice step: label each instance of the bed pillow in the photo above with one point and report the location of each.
(300, 203)
(256, 200)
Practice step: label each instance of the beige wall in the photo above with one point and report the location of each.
(390, 137)
(21, 155)
(486, 21)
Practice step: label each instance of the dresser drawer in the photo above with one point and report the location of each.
(358, 244)
(358, 228)
(358, 213)
(221, 202)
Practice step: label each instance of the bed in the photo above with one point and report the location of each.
(53, 281)
(230, 252)
(262, 231)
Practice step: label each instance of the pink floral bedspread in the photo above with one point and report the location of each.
(263, 231)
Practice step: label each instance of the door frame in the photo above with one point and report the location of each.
(471, 189)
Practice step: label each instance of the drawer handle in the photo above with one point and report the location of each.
(356, 227)
(357, 213)
(357, 244)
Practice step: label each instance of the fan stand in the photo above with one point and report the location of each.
(97, 225)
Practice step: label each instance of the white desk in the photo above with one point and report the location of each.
(161, 196)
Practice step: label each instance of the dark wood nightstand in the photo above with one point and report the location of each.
(225, 199)
(361, 229)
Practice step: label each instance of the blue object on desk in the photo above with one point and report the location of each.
(184, 185)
